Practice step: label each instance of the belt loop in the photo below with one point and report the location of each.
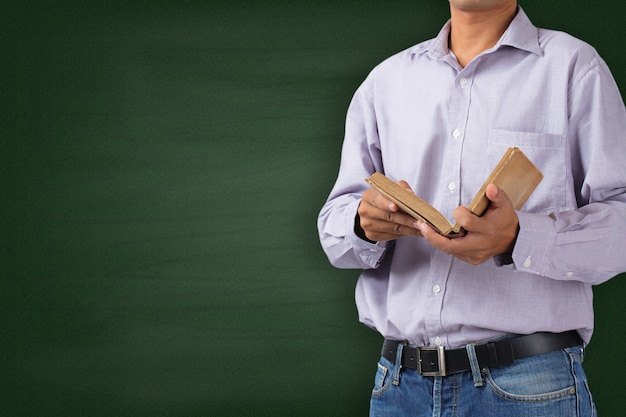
(476, 371)
(396, 372)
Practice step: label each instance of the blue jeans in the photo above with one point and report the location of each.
(549, 385)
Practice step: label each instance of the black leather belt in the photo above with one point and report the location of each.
(437, 361)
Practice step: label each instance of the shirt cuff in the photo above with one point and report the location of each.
(504, 259)
(534, 242)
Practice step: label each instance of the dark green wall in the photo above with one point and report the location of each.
(163, 164)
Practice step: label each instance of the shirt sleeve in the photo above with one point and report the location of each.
(585, 244)
(360, 158)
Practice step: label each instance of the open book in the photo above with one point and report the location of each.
(515, 174)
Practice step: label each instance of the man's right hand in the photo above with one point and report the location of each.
(380, 219)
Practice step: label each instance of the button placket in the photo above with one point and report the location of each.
(459, 107)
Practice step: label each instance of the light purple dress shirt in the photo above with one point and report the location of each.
(419, 116)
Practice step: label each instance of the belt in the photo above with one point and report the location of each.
(438, 361)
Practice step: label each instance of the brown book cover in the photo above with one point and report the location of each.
(515, 174)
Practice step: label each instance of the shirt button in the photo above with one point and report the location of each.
(451, 186)
(527, 263)
(438, 341)
(463, 82)
(436, 289)
(456, 133)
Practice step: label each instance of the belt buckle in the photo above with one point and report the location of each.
(431, 361)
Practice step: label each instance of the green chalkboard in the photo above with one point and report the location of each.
(163, 164)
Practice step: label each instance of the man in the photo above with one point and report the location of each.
(492, 323)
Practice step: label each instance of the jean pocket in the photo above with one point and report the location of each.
(383, 378)
(539, 378)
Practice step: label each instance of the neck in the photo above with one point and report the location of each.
(474, 31)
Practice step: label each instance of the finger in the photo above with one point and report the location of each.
(381, 225)
(376, 199)
(387, 231)
(405, 185)
(499, 202)
(468, 248)
(398, 223)
(433, 237)
(465, 218)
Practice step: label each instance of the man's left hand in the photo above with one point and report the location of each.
(492, 234)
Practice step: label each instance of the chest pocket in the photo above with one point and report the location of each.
(548, 152)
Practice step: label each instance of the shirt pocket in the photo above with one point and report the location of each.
(548, 152)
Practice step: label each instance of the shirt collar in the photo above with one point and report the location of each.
(520, 34)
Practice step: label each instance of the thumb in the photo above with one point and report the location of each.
(497, 197)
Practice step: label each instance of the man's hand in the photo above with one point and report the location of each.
(492, 234)
(381, 220)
